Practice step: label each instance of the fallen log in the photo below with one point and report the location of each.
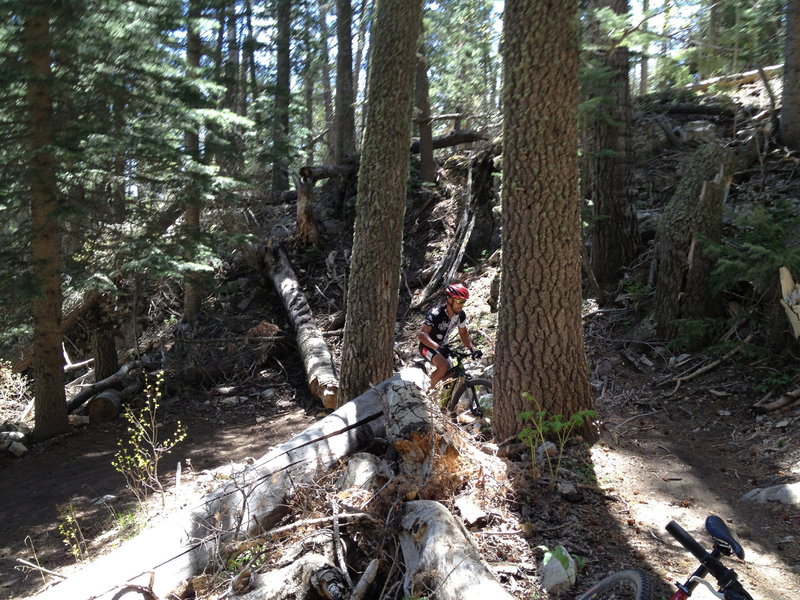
(737, 79)
(317, 361)
(453, 138)
(423, 439)
(253, 500)
(441, 558)
(90, 390)
(104, 406)
(298, 573)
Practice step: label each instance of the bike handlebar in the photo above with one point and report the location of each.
(726, 577)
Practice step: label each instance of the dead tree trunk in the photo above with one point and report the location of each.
(307, 231)
(253, 500)
(691, 219)
(440, 556)
(322, 379)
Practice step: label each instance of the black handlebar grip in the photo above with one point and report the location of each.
(710, 562)
(687, 541)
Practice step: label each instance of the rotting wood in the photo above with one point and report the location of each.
(441, 558)
(317, 361)
(252, 501)
(419, 433)
(307, 231)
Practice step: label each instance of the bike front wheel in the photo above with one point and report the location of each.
(471, 391)
(623, 585)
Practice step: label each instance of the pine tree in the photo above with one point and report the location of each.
(539, 346)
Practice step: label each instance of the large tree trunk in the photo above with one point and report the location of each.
(693, 215)
(440, 557)
(539, 347)
(192, 280)
(790, 106)
(283, 75)
(427, 166)
(48, 359)
(344, 114)
(106, 359)
(254, 500)
(327, 95)
(322, 380)
(368, 346)
(614, 226)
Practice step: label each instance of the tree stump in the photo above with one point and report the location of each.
(692, 217)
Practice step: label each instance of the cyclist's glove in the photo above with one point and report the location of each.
(476, 354)
(444, 350)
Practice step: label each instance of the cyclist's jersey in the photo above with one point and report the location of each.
(441, 325)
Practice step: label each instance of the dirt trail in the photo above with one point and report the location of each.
(691, 455)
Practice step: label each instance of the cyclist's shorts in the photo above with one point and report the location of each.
(427, 353)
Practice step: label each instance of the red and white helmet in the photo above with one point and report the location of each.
(457, 291)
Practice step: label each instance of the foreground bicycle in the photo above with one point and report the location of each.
(459, 384)
(633, 585)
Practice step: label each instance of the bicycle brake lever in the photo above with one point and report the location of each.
(709, 585)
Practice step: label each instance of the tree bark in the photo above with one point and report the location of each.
(344, 111)
(192, 281)
(539, 347)
(368, 346)
(427, 165)
(322, 380)
(283, 74)
(252, 501)
(614, 226)
(441, 558)
(327, 95)
(790, 105)
(46, 234)
(106, 359)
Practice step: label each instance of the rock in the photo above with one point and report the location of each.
(9, 437)
(558, 570)
(547, 448)
(788, 493)
(17, 449)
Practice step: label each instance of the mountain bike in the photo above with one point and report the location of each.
(634, 585)
(460, 385)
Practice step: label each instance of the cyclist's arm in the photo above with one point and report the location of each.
(465, 339)
(424, 336)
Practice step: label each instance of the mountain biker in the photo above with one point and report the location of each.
(439, 323)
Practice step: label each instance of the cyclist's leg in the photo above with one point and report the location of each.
(441, 364)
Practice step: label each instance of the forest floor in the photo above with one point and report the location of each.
(664, 454)
(667, 451)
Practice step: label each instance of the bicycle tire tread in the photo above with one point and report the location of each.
(472, 383)
(639, 582)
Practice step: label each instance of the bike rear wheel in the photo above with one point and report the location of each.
(623, 585)
(470, 392)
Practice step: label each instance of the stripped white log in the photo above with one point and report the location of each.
(322, 379)
(255, 499)
(440, 557)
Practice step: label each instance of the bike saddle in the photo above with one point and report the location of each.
(723, 537)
